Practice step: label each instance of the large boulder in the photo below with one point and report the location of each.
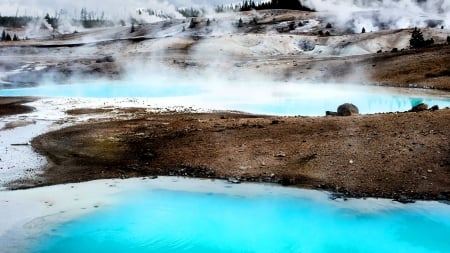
(419, 108)
(347, 109)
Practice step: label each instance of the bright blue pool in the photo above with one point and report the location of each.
(277, 98)
(276, 220)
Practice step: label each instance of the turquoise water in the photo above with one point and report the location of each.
(276, 98)
(177, 221)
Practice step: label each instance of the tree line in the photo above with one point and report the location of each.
(7, 37)
(248, 5)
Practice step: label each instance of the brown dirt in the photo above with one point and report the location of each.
(420, 68)
(392, 155)
(14, 105)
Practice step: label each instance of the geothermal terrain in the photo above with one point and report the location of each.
(403, 155)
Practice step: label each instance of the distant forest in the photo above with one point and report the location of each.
(248, 5)
(89, 19)
(15, 21)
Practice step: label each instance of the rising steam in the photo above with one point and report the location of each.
(384, 14)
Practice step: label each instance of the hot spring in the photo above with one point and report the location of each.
(191, 215)
(275, 98)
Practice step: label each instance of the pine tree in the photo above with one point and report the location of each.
(15, 38)
(208, 22)
(192, 23)
(3, 35)
(363, 30)
(133, 29)
(448, 39)
(417, 39)
(8, 37)
(240, 22)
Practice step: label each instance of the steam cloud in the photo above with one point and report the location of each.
(375, 15)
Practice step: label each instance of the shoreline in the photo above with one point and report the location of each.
(279, 165)
(273, 159)
(42, 208)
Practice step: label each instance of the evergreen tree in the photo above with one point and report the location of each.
(192, 23)
(240, 22)
(363, 30)
(417, 40)
(15, 38)
(3, 35)
(208, 22)
(448, 39)
(8, 37)
(133, 29)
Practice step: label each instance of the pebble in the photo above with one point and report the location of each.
(233, 180)
(280, 154)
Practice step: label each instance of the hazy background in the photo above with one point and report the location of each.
(112, 8)
(395, 13)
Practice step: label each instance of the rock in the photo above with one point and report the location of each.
(233, 180)
(347, 109)
(419, 108)
(108, 58)
(429, 171)
(434, 108)
(404, 200)
(330, 113)
(280, 154)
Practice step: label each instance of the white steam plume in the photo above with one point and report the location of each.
(383, 14)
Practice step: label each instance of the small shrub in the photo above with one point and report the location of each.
(328, 26)
(292, 25)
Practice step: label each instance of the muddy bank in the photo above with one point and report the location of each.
(395, 155)
(15, 105)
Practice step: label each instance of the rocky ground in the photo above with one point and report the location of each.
(397, 155)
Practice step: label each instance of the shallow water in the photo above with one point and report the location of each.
(276, 98)
(162, 220)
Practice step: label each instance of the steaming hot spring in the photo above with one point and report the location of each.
(104, 129)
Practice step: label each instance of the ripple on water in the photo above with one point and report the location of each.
(180, 221)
